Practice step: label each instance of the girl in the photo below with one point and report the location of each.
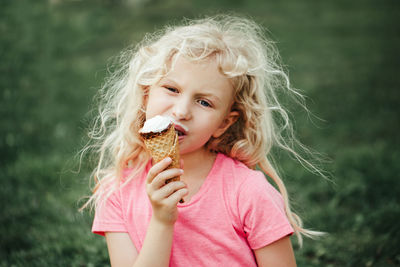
(217, 78)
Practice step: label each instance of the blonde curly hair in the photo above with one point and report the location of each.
(244, 56)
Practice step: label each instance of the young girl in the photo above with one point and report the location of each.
(218, 79)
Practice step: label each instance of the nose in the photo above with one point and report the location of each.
(182, 109)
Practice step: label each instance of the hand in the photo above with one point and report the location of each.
(165, 197)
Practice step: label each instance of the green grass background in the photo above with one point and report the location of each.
(344, 55)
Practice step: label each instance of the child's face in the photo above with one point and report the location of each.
(197, 96)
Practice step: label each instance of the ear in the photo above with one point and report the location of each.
(230, 119)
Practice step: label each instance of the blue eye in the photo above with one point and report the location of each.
(171, 89)
(204, 103)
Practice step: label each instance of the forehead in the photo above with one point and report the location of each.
(204, 74)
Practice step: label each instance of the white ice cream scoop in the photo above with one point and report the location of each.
(159, 123)
(156, 124)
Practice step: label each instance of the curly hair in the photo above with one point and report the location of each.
(245, 56)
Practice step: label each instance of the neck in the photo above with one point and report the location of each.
(198, 164)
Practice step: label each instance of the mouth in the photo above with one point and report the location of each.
(179, 133)
(179, 130)
(178, 125)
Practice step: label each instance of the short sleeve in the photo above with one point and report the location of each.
(109, 216)
(261, 210)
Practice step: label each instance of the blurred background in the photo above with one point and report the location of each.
(344, 55)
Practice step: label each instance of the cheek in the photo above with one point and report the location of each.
(210, 125)
(156, 103)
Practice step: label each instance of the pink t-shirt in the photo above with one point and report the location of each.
(235, 212)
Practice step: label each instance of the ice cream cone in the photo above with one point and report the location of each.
(163, 144)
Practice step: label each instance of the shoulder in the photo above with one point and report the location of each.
(242, 176)
(248, 185)
(133, 179)
(121, 186)
(257, 208)
(234, 166)
(115, 193)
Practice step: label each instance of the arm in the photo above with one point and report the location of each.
(156, 249)
(121, 250)
(279, 254)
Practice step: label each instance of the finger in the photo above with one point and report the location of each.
(168, 190)
(181, 163)
(157, 168)
(160, 180)
(175, 197)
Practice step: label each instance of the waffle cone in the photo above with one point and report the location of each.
(163, 144)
